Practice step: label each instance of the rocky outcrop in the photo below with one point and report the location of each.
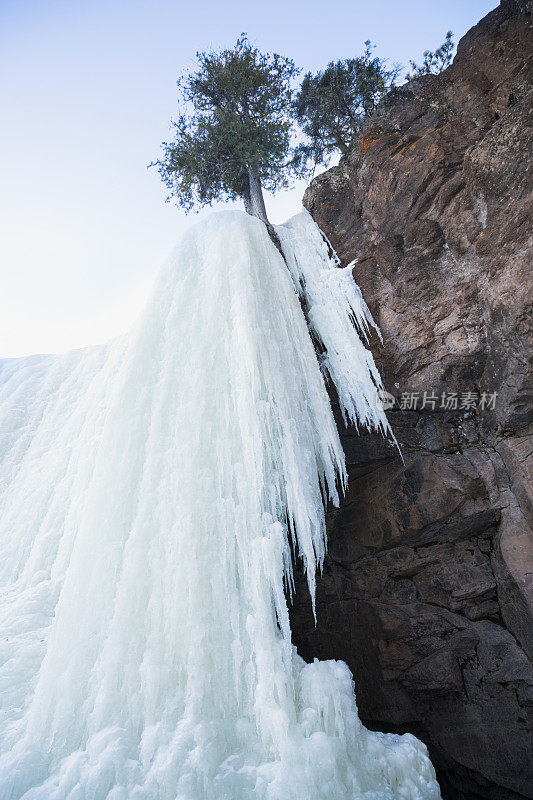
(427, 591)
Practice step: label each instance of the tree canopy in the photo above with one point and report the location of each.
(332, 104)
(434, 62)
(235, 132)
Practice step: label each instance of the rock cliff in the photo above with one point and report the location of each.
(427, 592)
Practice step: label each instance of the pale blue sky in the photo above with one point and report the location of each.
(87, 90)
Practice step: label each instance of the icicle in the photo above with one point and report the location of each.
(335, 306)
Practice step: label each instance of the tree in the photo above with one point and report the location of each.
(434, 63)
(234, 137)
(331, 105)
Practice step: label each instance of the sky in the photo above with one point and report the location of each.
(87, 92)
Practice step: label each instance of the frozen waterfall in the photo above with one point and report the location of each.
(152, 494)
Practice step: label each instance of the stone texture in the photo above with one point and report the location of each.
(427, 592)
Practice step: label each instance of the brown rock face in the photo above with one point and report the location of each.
(427, 592)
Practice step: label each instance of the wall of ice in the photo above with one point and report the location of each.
(152, 495)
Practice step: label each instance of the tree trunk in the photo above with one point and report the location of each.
(254, 203)
(253, 195)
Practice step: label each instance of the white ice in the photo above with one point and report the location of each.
(152, 493)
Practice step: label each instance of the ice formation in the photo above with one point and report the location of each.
(152, 493)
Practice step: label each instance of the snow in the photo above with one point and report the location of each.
(151, 494)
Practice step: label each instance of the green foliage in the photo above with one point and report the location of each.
(332, 104)
(237, 117)
(238, 113)
(434, 63)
